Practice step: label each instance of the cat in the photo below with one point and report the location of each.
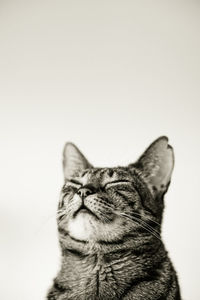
(109, 229)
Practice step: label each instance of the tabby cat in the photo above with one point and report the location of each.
(109, 229)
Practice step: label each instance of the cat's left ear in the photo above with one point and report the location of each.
(157, 164)
(73, 161)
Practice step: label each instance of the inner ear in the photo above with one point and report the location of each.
(73, 161)
(157, 164)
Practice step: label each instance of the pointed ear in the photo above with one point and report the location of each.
(157, 164)
(73, 161)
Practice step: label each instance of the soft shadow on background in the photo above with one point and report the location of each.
(111, 76)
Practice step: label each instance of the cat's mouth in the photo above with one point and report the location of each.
(85, 210)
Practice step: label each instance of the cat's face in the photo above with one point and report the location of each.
(106, 204)
(94, 202)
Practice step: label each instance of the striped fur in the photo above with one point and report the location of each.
(109, 229)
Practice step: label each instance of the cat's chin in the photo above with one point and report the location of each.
(81, 227)
(86, 227)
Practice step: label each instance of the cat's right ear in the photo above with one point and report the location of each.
(73, 161)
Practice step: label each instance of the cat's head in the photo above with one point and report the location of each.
(107, 204)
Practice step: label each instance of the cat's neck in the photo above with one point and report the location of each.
(97, 267)
(137, 244)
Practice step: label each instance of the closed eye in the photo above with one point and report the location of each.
(73, 183)
(116, 183)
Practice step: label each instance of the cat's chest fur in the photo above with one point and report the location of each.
(96, 276)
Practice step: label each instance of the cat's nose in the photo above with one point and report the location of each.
(84, 192)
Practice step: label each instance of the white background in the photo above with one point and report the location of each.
(111, 76)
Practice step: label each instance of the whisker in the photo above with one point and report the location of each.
(134, 213)
(143, 225)
(148, 229)
(151, 219)
(149, 226)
